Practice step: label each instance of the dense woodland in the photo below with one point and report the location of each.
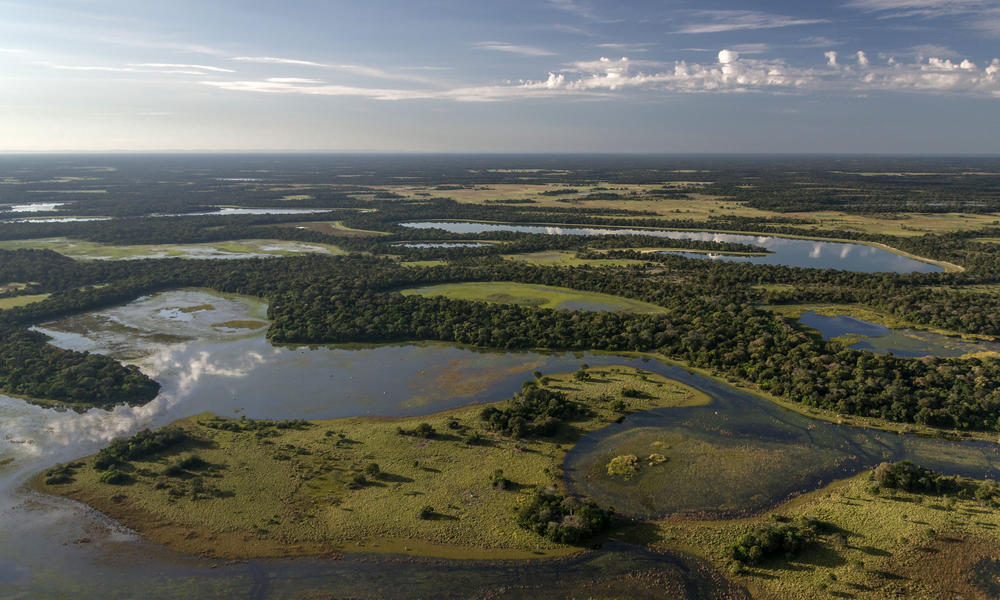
(714, 317)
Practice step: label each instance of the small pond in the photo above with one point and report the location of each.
(900, 342)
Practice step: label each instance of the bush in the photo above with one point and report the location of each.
(425, 513)
(114, 477)
(141, 445)
(631, 393)
(533, 411)
(768, 541)
(909, 477)
(562, 519)
(371, 470)
(424, 430)
(498, 481)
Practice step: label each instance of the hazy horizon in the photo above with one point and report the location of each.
(555, 76)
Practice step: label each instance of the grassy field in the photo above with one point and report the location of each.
(15, 301)
(879, 544)
(84, 250)
(335, 228)
(541, 296)
(273, 491)
(701, 207)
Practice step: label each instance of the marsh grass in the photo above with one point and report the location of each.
(309, 488)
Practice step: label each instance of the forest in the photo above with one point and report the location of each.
(715, 317)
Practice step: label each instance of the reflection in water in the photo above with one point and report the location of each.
(53, 547)
(758, 453)
(784, 251)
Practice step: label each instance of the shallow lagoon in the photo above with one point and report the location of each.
(57, 547)
(782, 251)
(900, 342)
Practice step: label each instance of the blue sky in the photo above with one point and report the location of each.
(913, 76)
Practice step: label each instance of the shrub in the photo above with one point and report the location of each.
(909, 477)
(498, 481)
(141, 445)
(425, 513)
(562, 519)
(533, 411)
(114, 477)
(771, 540)
(423, 430)
(371, 470)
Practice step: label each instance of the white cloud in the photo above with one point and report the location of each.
(818, 41)
(730, 73)
(831, 58)
(862, 58)
(983, 15)
(751, 48)
(716, 21)
(513, 48)
(625, 47)
(182, 66)
(922, 51)
(278, 61)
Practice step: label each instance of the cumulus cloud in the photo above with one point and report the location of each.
(730, 73)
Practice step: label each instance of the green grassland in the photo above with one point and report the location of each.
(335, 228)
(16, 301)
(702, 207)
(878, 544)
(540, 296)
(272, 491)
(84, 250)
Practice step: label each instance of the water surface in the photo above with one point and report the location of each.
(900, 342)
(782, 251)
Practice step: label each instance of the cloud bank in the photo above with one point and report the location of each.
(730, 73)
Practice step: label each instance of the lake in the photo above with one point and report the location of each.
(789, 252)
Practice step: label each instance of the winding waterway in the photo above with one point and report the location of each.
(785, 251)
(209, 354)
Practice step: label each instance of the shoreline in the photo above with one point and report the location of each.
(946, 266)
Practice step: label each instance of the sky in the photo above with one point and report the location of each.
(673, 76)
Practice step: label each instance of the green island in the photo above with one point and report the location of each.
(243, 488)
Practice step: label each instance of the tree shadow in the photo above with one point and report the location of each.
(393, 478)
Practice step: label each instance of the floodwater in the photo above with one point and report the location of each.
(191, 341)
(743, 454)
(782, 251)
(35, 207)
(186, 341)
(900, 342)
